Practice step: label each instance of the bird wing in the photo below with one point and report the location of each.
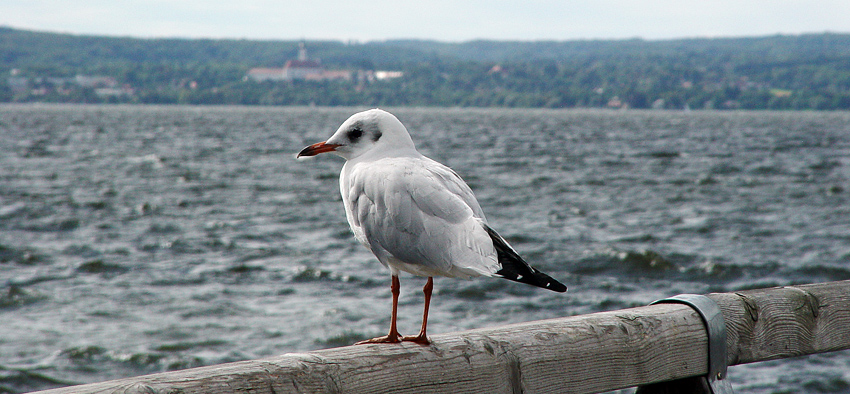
(418, 216)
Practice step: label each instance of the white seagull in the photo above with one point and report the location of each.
(415, 214)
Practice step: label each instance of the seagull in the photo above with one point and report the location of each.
(415, 214)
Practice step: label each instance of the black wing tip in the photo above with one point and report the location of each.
(533, 277)
(516, 269)
(556, 286)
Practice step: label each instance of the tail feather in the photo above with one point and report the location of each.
(516, 269)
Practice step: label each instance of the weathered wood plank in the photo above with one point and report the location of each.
(579, 354)
(775, 323)
(767, 324)
(554, 356)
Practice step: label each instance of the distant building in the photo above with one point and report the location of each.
(384, 75)
(39, 86)
(88, 81)
(266, 74)
(302, 68)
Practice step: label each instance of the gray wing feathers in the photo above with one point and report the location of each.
(419, 218)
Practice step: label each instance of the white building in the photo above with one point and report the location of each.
(302, 68)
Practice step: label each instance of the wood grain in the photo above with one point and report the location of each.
(783, 322)
(579, 354)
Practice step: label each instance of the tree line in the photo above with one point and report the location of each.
(776, 72)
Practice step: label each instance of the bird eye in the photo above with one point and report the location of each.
(355, 134)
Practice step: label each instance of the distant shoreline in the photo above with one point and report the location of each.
(356, 108)
(802, 72)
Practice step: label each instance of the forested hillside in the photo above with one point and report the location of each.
(776, 72)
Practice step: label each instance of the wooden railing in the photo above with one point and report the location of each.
(579, 354)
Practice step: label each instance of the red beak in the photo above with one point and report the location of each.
(315, 149)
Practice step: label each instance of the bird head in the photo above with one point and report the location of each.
(373, 132)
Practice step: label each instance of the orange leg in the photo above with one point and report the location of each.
(422, 338)
(393, 336)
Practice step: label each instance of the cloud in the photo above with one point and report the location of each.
(439, 19)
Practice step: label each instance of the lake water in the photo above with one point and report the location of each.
(139, 239)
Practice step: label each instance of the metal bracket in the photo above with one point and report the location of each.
(716, 327)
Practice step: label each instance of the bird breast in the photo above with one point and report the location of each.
(417, 215)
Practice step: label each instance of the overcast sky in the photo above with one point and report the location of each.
(444, 20)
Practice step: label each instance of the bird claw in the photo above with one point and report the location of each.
(392, 338)
(421, 339)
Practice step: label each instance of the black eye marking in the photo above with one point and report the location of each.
(355, 134)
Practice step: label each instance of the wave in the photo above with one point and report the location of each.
(14, 296)
(22, 256)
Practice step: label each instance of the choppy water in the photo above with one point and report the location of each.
(142, 239)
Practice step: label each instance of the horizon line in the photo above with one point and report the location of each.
(354, 41)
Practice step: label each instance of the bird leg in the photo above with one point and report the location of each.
(422, 338)
(393, 336)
